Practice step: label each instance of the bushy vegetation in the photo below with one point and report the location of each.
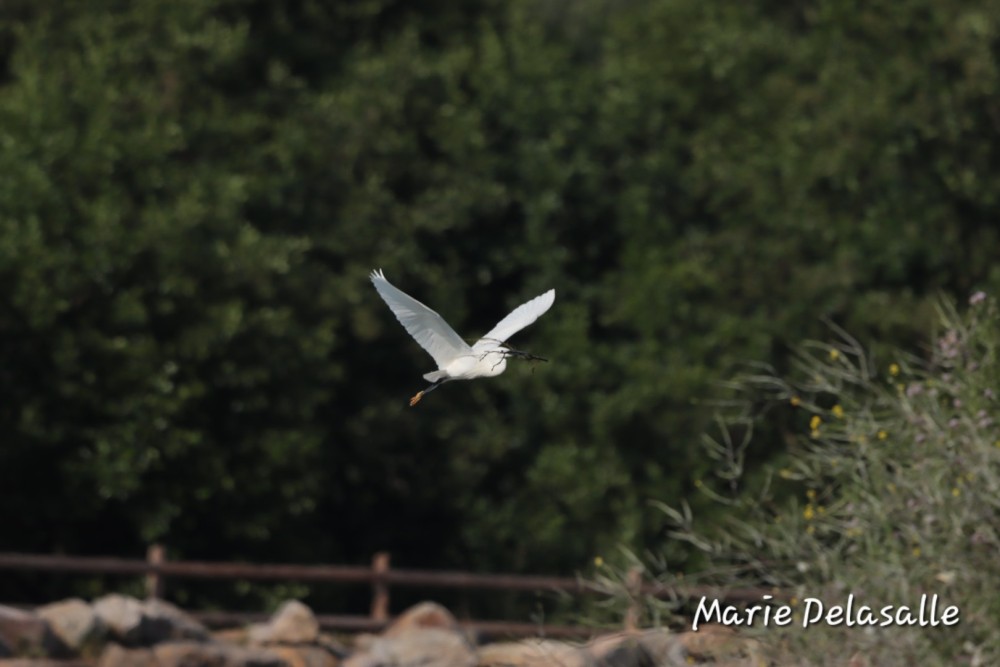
(895, 474)
(193, 193)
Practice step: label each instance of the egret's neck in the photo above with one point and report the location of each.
(493, 363)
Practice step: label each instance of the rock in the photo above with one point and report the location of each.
(622, 649)
(332, 646)
(135, 623)
(534, 653)
(122, 616)
(188, 653)
(363, 642)
(431, 647)
(258, 633)
(25, 633)
(305, 656)
(75, 623)
(362, 660)
(114, 655)
(664, 648)
(717, 643)
(162, 621)
(192, 654)
(293, 623)
(649, 648)
(239, 636)
(423, 615)
(658, 647)
(43, 662)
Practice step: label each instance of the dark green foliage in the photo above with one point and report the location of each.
(192, 194)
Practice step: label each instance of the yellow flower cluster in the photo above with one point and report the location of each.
(814, 425)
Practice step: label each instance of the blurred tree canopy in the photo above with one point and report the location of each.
(192, 194)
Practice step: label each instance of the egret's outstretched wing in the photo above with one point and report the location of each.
(426, 326)
(519, 318)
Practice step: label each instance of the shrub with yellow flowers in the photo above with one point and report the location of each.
(898, 466)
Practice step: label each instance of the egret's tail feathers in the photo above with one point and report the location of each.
(434, 376)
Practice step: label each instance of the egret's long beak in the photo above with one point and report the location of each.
(521, 354)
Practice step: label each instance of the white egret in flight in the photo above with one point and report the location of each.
(456, 360)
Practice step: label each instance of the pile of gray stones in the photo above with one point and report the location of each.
(121, 631)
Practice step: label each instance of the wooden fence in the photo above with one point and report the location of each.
(380, 576)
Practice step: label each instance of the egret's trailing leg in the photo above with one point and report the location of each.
(420, 394)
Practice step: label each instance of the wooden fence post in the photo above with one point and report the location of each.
(155, 555)
(380, 587)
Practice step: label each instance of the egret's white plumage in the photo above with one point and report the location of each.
(456, 359)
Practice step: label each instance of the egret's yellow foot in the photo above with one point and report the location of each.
(416, 398)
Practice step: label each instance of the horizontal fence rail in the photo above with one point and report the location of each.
(156, 568)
